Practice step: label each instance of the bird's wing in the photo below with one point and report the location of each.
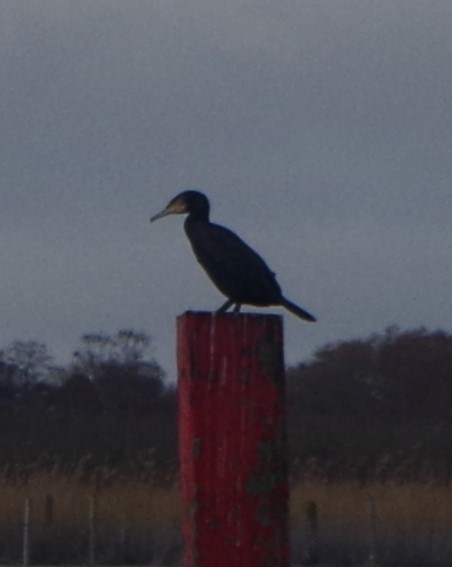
(223, 247)
(230, 262)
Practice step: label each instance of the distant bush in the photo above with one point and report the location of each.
(367, 408)
(110, 407)
(375, 407)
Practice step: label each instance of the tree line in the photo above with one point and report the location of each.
(111, 406)
(375, 407)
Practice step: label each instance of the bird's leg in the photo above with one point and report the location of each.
(237, 307)
(225, 306)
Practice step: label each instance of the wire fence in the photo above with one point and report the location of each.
(359, 530)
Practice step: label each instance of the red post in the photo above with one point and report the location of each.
(232, 440)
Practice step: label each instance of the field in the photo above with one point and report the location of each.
(73, 517)
(129, 521)
(390, 523)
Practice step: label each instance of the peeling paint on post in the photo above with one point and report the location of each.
(232, 440)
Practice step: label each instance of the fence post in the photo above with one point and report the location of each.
(371, 561)
(91, 530)
(48, 509)
(312, 533)
(232, 440)
(26, 534)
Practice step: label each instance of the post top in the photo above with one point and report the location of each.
(231, 316)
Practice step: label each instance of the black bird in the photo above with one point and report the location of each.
(235, 268)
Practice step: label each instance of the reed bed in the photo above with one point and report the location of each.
(393, 523)
(136, 519)
(125, 520)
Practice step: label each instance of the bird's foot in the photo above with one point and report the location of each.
(225, 306)
(229, 303)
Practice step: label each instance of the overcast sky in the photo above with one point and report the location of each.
(321, 130)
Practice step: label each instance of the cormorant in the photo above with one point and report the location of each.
(235, 268)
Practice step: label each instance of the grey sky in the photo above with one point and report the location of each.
(320, 130)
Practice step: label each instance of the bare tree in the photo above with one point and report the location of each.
(30, 361)
(125, 347)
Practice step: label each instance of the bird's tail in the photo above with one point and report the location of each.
(298, 311)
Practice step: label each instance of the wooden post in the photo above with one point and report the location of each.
(26, 534)
(232, 440)
(372, 533)
(48, 509)
(312, 533)
(91, 530)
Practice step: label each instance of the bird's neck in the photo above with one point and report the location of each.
(198, 216)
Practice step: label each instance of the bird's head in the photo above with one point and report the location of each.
(188, 202)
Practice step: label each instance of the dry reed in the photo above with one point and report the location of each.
(138, 520)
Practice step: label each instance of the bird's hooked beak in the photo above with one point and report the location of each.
(177, 207)
(160, 215)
